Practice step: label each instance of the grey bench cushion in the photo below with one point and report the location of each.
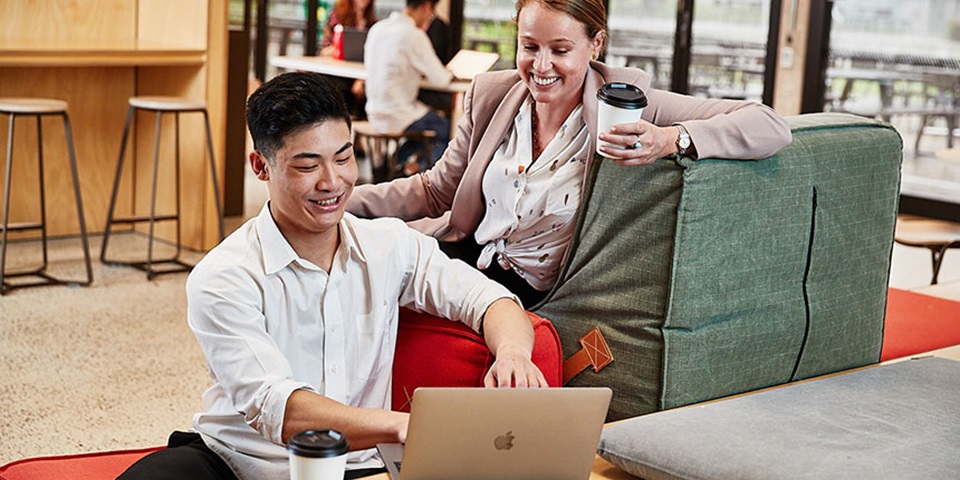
(716, 277)
(896, 421)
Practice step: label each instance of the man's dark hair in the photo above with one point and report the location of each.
(288, 103)
(417, 3)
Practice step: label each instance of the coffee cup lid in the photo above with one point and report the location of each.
(622, 95)
(318, 444)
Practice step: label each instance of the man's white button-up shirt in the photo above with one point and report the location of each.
(270, 322)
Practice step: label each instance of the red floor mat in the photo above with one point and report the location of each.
(84, 466)
(918, 323)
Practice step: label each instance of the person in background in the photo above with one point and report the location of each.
(506, 193)
(439, 33)
(399, 57)
(297, 310)
(348, 13)
(357, 14)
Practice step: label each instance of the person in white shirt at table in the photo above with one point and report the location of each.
(398, 57)
(297, 310)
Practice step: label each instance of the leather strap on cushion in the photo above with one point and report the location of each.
(595, 353)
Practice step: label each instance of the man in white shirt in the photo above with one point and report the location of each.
(297, 310)
(399, 57)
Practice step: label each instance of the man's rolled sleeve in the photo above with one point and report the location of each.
(270, 420)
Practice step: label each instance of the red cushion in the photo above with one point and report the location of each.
(434, 352)
(918, 323)
(84, 466)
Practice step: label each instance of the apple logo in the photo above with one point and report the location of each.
(504, 442)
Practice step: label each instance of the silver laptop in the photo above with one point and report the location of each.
(467, 64)
(499, 434)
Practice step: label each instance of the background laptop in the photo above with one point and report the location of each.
(467, 64)
(353, 41)
(500, 434)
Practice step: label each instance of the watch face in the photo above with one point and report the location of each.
(684, 141)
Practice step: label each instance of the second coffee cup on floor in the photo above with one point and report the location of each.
(318, 455)
(618, 103)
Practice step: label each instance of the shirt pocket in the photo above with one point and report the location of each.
(376, 340)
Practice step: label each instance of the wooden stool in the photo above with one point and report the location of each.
(160, 105)
(382, 148)
(38, 107)
(935, 235)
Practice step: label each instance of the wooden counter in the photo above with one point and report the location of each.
(96, 54)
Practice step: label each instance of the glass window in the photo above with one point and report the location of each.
(642, 35)
(488, 25)
(900, 62)
(287, 20)
(729, 48)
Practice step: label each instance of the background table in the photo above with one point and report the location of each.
(356, 70)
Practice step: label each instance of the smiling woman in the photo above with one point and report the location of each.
(508, 189)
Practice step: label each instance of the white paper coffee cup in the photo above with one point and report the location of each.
(318, 455)
(618, 103)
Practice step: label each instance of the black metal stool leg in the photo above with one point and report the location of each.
(213, 175)
(4, 287)
(116, 187)
(176, 177)
(937, 254)
(43, 198)
(153, 195)
(76, 190)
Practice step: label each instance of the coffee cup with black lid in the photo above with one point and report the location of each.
(618, 103)
(318, 455)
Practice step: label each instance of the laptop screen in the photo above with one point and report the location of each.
(467, 64)
(500, 434)
(353, 41)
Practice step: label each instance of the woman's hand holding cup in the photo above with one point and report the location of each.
(638, 143)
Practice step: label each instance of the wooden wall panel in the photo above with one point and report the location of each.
(97, 99)
(135, 36)
(64, 22)
(218, 43)
(174, 22)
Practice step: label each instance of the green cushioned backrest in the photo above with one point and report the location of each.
(858, 198)
(714, 277)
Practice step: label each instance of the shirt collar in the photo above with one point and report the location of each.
(400, 16)
(278, 253)
(349, 239)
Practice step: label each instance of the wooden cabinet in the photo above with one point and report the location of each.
(95, 54)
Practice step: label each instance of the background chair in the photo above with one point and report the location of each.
(160, 105)
(381, 149)
(938, 236)
(38, 108)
